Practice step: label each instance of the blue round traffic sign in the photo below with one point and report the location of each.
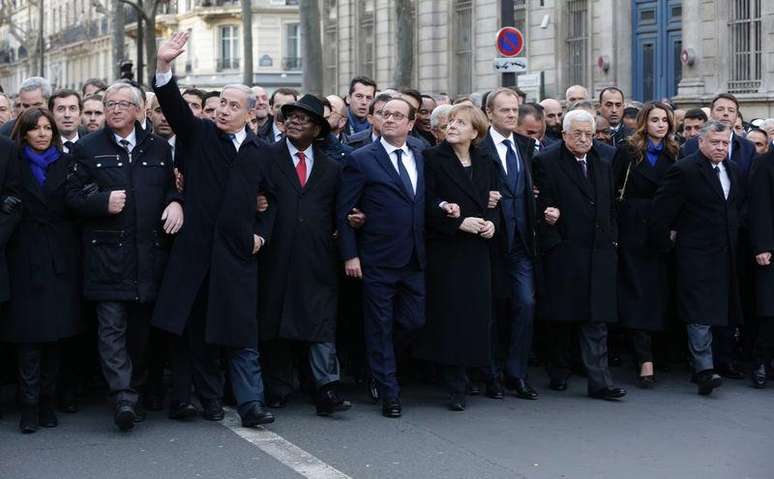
(510, 42)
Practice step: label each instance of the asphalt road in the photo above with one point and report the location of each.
(669, 432)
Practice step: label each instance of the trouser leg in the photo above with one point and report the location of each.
(379, 292)
(641, 345)
(29, 357)
(593, 346)
(112, 317)
(244, 370)
(49, 371)
(278, 360)
(323, 363)
(700, 346)
(764, 341)
(205, 358)
(560, 342)
(455, 379)
(723, 345)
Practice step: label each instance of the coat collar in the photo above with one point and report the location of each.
(384, 161)
(709, 175)
(569, 164)
(451, 166)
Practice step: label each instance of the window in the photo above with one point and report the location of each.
(292, 60)
(745, 46)
(330, 49)
(365, 38)
(577, 41)
(462, 44)
(229, 48)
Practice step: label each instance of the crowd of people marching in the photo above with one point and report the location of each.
(211, 244)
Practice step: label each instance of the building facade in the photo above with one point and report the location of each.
(78, 41)
(688, 50)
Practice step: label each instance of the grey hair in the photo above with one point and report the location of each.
(573, 87)
(249, 93)
(121, 85)
(586, 105)
(438, 112)
(36, 83)
(769, 122)
(713, 126)
(578, 116)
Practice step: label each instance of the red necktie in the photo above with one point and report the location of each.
(301, 168)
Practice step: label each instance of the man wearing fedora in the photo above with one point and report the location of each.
(298, 267)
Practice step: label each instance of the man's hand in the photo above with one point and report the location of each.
(551, 215)
(179, 181)
(494, 198)
(257, 243)
(116, 202)
(356, 218)
(172, 218)
(352, 268)
(169, 50)
(9, 204)
(472, 225)
(488, 230)
(452, 210)
(263, 203)
(763, 259)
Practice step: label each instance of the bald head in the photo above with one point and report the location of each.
(576, 93)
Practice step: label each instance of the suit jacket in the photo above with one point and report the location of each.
(742, 153)
(363, 138)
(690, 201)
(395, 229)
(622, 134)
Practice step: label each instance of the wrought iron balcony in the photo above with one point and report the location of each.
(227, 64)
(292, 63)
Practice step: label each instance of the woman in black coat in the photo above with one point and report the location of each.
(460, 225)
(643, 281)
(44, 264)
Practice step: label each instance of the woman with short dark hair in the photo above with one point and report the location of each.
(44, 264)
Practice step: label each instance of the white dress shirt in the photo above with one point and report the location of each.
(163, 78)
(172, 140)
(131, 138)
(73, 140)
(408, 160)
(502, 150)
(308, 153)
(239, 137)
(725, 181)
(276, 132)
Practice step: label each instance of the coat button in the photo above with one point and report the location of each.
(592, 203)
(99, 165)
(144, 163)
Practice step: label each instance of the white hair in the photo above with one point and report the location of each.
(36, 83)
(249, 93)
(438, 112)
(137, 98)
(578, 116)
(767, 123)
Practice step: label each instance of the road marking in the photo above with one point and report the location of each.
(282, 450)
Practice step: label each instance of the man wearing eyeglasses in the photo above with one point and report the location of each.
(385, 180)
(123, 188)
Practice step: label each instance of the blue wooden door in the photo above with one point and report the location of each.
(656, 44)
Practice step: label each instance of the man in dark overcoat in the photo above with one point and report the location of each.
(208, 296)
(579, 256)
(298, 290)
(697, 211)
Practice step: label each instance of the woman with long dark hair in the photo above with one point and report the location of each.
(44, 264)
(643, 274)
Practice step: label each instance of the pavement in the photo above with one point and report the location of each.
(668, 432)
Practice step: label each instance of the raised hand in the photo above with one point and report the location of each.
(169, 50)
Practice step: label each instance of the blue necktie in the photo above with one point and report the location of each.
(404, 176)
(512, 162)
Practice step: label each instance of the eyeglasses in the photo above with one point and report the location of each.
(393, 114)
(122, 105)
(579, 135)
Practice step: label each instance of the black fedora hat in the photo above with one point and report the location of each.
(314, 108)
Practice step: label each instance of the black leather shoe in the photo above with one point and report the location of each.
(707, 381)
(494, 390)
(473, 389)
(277, 401)
(457, 402)
(558, 384)
(521, 388)
(328, 402)
(391, 408)
(646, 382)
(47, 415)
(29, 419)
(257, 416)
(609, 394)
(212, 410)
(124, 416)
(182, 410)
(758, 376)
(731, 371)
(373, 390)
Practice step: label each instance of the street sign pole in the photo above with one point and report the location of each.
(507, 19)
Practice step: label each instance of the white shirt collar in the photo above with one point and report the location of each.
(172, 140)
(131, 138)
(390, 148)
(309, 152)
(498, 138)
(275, 131)
(74, 139)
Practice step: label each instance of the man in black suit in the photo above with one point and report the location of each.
(66, 107)
(298, 291)
(370, 135)
(33, 91)
(272, 130)
(209, 303)
(611, 107)
(696, 211)
(386, 180)
(512, 154)
(579, 256)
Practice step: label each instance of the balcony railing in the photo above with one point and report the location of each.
(217, 3)
(291, 63)
(227, 64)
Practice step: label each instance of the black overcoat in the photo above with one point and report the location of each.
(761, 224)
(579, 251)
(690, 201)
(213, 250)
(298, 268)
(644, 286)
(9, 186)
(44, 260)
(459, 273)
